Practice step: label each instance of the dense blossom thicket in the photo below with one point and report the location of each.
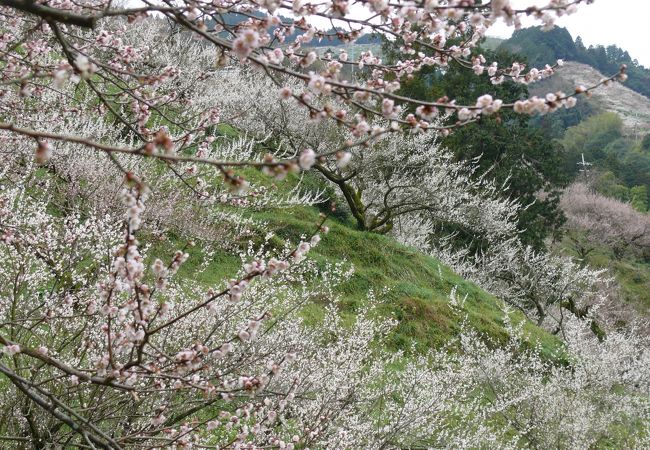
(607, 221)
(400, 175)
(114, 135)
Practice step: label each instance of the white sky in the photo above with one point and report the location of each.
(624, 23)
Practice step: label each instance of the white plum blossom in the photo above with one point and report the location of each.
(317, 84)
(307, 159)
(125, 209)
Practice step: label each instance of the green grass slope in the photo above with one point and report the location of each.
(418, 286)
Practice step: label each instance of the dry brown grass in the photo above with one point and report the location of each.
(631, 106)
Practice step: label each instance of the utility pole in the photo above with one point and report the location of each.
(584, 165)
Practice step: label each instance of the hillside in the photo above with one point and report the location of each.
(541, 47)
(631, 106)
(222, 227)
(610, 234)
(492, 42)
(418, 286)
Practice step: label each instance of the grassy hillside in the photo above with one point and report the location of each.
(418, 285)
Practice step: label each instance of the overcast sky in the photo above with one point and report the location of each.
(624, 23)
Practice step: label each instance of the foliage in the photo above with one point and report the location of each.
(607, 221)
(645, 143)
(639, 198)
(543, 46)
(590, 138)
(508, 150)
(555, 125)
(621, 162)
(146, 302)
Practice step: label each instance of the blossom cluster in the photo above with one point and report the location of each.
(106, 341)
(154, 96)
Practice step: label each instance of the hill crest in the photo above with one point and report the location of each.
(632, 107)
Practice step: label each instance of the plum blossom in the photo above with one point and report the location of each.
(307, 159)
(318, 84)
(246, 42)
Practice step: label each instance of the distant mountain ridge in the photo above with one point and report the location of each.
(545, 47)
(330, 38)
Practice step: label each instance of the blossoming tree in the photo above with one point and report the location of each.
(85, 43)
(108, 125)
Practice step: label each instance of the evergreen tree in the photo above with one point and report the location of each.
(645, 143)
(639, 196)
(508, 148)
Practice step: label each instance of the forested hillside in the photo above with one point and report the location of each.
(611, 131)
(544, 47)
(220, 229)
